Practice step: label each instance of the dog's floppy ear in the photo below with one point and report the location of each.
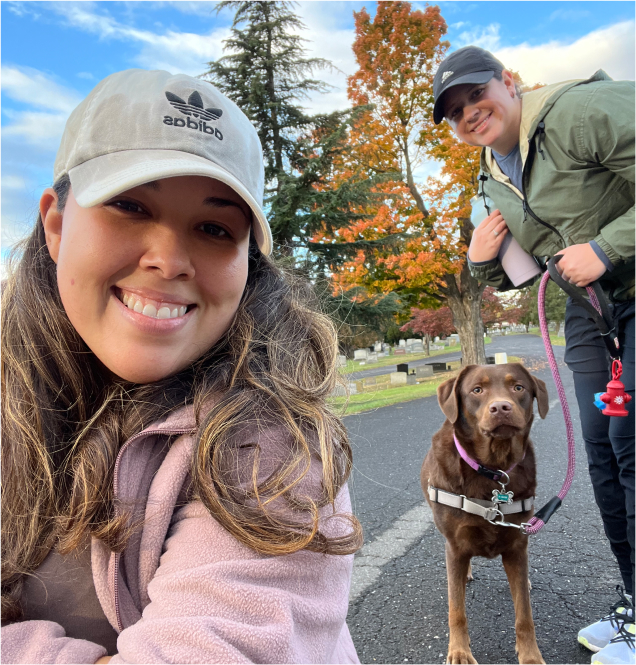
(447, 395)
(541, 393)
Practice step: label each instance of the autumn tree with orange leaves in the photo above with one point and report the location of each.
(398, 53)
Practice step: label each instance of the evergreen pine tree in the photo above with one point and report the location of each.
(265, 71)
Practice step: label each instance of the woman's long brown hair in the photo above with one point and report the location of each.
(63, 421)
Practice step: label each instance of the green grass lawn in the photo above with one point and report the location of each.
(392, 360)
(556, 341)
(368, 401)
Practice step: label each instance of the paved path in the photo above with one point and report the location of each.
(398, 611)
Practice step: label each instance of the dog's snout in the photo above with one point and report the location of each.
(501, 407)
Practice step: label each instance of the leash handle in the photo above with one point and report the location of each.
(597, 306)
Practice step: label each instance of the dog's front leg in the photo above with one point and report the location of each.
(515, 562)
(457, 565)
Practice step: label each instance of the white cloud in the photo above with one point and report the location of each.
(33, 87)
(486, 37)
(569, 14)
(610, 48)
(13, 182)
(173, 51)
(329, 41)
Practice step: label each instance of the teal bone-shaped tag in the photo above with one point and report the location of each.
(501, 497)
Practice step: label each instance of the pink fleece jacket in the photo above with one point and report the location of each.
(186, 591)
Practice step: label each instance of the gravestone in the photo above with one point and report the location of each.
(372, 358)
(501, 358)
(403, 367)
(402, 379)
(342, 361)
(490, 360)
(438, 367)
(423, 370)
(360, 354)
(402, 343)
(398, 351)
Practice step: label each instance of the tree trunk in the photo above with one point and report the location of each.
(427, 337)
(463, 298)
(419, 201)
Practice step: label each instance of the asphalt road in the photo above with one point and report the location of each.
(398, 611)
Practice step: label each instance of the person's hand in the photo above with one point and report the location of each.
(103, 659)
(487, 238)
(579, 265)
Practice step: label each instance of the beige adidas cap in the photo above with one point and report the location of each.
(137, 126)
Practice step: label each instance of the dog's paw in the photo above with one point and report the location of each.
(460, 656)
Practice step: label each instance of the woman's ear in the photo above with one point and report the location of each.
(509, 81)
(52, 221)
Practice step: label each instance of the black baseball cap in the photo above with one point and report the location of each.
(469, 64)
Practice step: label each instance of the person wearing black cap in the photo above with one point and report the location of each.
(558, 165)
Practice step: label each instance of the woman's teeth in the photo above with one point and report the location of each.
(481, 124)
(153, 309)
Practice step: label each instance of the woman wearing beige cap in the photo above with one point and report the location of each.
(174, 485)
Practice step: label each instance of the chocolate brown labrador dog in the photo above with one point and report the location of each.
(479, 470)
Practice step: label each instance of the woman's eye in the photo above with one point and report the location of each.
(127, 206)
(478, 390)
(214, 230)
(518, 388)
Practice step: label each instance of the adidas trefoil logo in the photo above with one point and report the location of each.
(445, 75)
(193, 108)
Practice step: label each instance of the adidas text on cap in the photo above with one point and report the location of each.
(467, 65)
(137, 126)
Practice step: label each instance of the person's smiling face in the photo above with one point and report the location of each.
(485, 115)
(152, 278)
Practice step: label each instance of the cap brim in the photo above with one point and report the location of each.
(473, 78)
(103, 177)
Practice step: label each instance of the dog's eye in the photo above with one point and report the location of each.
(518, 388)
(478, 390)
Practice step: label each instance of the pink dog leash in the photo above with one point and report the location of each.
(538, 521)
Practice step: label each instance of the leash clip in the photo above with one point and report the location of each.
(522, 527)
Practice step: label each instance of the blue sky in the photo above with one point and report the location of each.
(53, 53)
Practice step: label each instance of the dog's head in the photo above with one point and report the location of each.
(492, 402)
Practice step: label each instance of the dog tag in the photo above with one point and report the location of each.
(501, 497)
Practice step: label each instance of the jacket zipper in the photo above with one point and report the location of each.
(120, 625)
(526, 207)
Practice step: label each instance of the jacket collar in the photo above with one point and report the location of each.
(534, 107)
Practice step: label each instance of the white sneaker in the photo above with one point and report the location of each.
(598, 635)
(620, 650)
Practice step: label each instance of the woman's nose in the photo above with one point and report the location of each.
(167, 253)
(470, 112)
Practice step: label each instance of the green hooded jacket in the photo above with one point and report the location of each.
(577, 148)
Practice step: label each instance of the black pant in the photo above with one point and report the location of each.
(609, 441)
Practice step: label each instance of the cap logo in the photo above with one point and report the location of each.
(445, 75)
(193, 108)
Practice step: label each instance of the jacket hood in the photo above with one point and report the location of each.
(536, 105)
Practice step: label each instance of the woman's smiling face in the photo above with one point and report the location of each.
(487, 114)
(152, 278)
